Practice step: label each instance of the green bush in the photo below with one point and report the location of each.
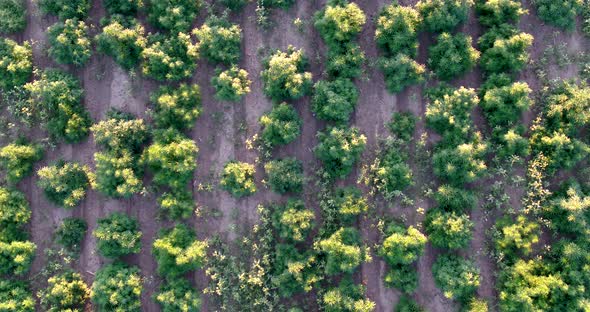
(476, 305)
(66, 9)
(64, 183)
(443, 15)
(397, 30)
(293, 271)
(512, 143)
(123, 39)
(450, 114)
(118, 134)
(456, 199)
(284, 75)
(402, 125)
(169, 57)
(117, 174)
(503, 105)
(280, 126)
(177, 204)
(448, 230)
(339, 149)
(339, 22)
(452, 56)
(16, 63)
(345, 61)
(65, 292)
(559, 13)
(349, 203)
(124, 7)
(566, 211)
(231, 84)
(567, 107)
(173, 15)
(177, 251)
(117, 235)
(497, 12)
(13, 16)
(17, 160)
(178, 295)
(463, 164)
(389, 174)
(14, 209)
(514, 238)
(70, 233)
(347, 297)
(561, 150)
(219, 41)
(400, 72)
(402, 245)
(177, 107)
(16, 257)
(69, 42)
(334, 100)
(343, 251)
(15, 296)
(234, 5)
(238, 178)
(292, 221)
(458, 278)
(402, 277)
(504, 49)
(55, 101)
(117, 287)
(172, 158)
(285, 175)
(407, 304)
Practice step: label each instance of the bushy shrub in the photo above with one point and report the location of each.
(512, 143)
(340, 21)
(17, 159)
(117, 174)
(347, 297)
(16, 63)
(177, 251)
(343, 251)
(14, 208)
(443, 15)
(562, 151)
(448, 230)
(497, 12)
(284, 75)
(15, 296)
(514, 238)
(345, 61)
(16, 257)
(65, 292)
(292, 221)
(389, 174)
(70, 233)
(456, 199)
(402, 125)
(172, 158)
(402, 245)
(173, 15)
(458, 278)
(339, 149)
(504, 49)
(402, 277)
(65, 9)
(178, 295)
(567, 108)
(293, 271)
(452, 56)
(462, 164)
(119, 134)
(117, 235)
(285, 175)
(349, 203)
(55, 101)
(238, 178)
(397, 30)
(231, 84)
(559, 13)
(117, 287)
(219, 41)
(567, 213)
(334, 100)
(69, 42)
(504, 104)
(450, 114)
(407, 304)
(234, 5)
(123, 39)
(124, 7)
(13, 16)
(400, 72)
(64, 183)
(280, 126)
(177, 107)
(169, 57)
(177, 204)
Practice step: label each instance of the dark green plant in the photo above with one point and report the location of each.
(402, 277)
(339, 149)
(448, 229)
(284, 76)
(407, 304)
(14, 209)
(117, 235)
(402, 125)
(443, 15)
(497, 12)
(123, 39)
(70, 233)
(457, 199)
(172, 15)
(504, 49)
(65, 292)
(293, 271)
(177, 251)
(559, 13)
(341, 21)
(64, 183)
(178, 295)
(345, 61)
(177, 204)
(343, 251)
(17, 160)
(238, 178)
(124, 7)
(349, 203)
(292, 221)
(13, 16)
(16, 257)
(69, 42)
(65, 9)
(504, 103)
(15, 296)
(285, 175)
(457, 278)
(452, 56)
(219, 40)
(397, 30)
(169, 57)
(117, 174)
(389, 174)
(231, 84)
(177, 107)
(117, 134)
(334, 100)
(462, 164)
(347, 297)
(16, 62)
(402, 245)
(515, 238)
(280, 126)
(400, 72)
(117, 287)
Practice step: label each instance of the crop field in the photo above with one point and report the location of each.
(294, 155)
